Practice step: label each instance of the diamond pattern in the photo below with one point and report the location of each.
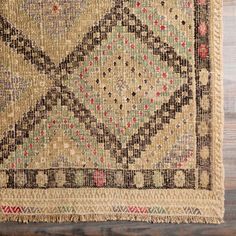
(130, 93)
(90, 41)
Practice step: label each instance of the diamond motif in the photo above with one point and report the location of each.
(131, 87)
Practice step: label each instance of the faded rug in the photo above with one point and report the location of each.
(111, 110)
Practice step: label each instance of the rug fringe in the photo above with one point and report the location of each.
(110, 217)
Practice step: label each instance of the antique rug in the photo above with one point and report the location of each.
(111, 110)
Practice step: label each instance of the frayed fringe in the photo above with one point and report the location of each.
(111, 217)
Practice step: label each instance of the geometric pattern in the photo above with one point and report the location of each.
(124, 154)
(122, 99)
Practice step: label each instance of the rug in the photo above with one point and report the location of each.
(111, 110)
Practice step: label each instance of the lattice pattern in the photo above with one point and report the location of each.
(121, 99)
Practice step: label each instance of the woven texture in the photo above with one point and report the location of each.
(111, 110)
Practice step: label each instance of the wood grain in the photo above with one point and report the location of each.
(229, 150)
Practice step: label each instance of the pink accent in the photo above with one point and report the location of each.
(164, 75)
(183, 44)
(162, 27)
(189, 5)
(135, 209)
(164, 87)
(202, 2)
(144, 10)
(202, 29)
(156, 22)
(203, 51)
(99, 178)
(11, 209)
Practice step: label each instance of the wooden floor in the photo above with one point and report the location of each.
(145, 229)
